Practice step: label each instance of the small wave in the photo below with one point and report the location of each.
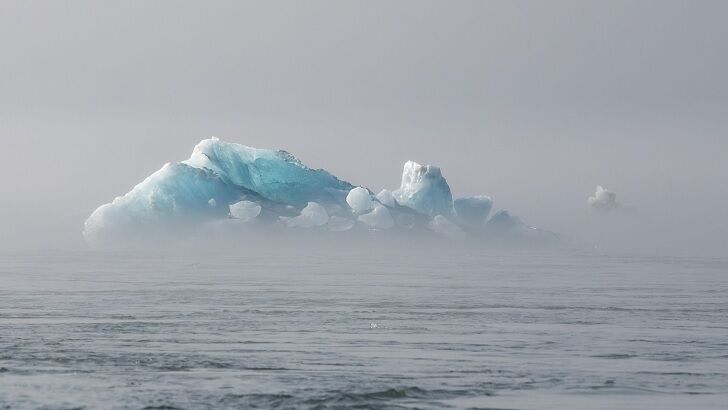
(162, 407)
(257, 400)
(615, 356)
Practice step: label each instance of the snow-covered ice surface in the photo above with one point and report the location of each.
(391, 328)
(224, 185)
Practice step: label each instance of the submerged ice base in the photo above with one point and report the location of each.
(246, 189)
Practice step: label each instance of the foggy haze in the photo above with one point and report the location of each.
(532, 103)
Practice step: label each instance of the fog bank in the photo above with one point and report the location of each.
(532, 103)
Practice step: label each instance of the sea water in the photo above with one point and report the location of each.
(362, 329)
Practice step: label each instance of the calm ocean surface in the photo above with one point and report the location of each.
(362, 329)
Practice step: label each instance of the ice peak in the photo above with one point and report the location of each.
(424, 189)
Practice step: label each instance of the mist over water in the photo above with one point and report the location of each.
(533, 104)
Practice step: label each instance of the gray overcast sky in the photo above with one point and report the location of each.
(531, 102)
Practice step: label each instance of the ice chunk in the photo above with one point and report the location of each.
(424, 189)
(603, 199)
(444, 226)
(473, 211)
(359, 200)
(386, 198)
(245, 210)
(339, 224)
(311, 216)
(379, 218)
(212, 202)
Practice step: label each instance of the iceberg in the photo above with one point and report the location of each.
(228, 186)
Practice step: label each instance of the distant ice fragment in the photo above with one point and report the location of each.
(379, 218)
(311, 216)
(386, 198)
(473, 211)
(245, 210)
(360, 200)
(603, 199)
(424, 189)
(444, 226)
(212, 202)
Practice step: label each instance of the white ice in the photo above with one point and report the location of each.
(311, 216)
(603, 199)
(245, 210)
(379, 218)
(424, 189)
(360, 200)
(386, 198)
